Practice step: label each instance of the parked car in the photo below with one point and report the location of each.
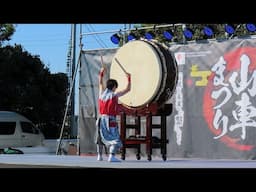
(18, 131)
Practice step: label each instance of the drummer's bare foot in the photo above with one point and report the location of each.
(99, 158)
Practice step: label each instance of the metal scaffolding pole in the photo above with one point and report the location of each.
(135, 29)
(71, 96)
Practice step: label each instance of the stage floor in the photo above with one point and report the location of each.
(74, 161)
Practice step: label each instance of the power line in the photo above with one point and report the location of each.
(99, 38)
(96, 38)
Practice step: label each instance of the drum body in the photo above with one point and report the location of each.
(153, 73)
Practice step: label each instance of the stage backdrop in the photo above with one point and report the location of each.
(214, 105)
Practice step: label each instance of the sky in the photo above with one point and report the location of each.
(51, 42)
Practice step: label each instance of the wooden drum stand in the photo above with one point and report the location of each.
(136, 140)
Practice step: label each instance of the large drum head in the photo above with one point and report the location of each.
(153, 73)
(142, 61)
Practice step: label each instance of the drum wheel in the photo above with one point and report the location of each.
(123, 156)
(149, 158)
(164, 157)
(138, 156)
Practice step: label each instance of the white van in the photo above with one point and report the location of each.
(18, 131)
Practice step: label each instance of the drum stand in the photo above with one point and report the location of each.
(135, 141)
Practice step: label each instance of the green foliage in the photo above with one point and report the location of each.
(6, 31)
(28, 87)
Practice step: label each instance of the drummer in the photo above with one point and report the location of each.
(108, 126)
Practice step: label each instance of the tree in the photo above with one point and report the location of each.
(6, 31)
(28, 87)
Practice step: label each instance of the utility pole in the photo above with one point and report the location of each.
(67, 127)
(73, 64)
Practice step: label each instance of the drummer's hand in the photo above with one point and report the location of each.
(102, 70)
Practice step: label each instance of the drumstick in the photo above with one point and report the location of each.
(121, 66)
(102, 64)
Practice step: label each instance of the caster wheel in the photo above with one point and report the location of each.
(123, 157)
(149, 157)
(138, 156)
(164, 157)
